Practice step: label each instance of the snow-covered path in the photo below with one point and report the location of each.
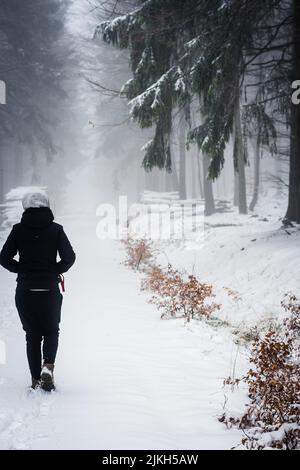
(125, 378)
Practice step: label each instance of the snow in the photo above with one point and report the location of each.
(192, 43)
(157, 101)
(159, 198)
(111, 26)
(126, 86)
(18, 193)
(127, 379)
(226, 4)
(180, 85)
(266, 439)
(155, 91)
(147, 145)
(12, 209)
(248, 254)
(205, 142)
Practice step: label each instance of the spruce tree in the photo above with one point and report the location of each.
(209, 49)
(32, 66)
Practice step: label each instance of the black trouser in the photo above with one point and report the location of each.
(40, 316)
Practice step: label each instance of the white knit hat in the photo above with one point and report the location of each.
(35, 200)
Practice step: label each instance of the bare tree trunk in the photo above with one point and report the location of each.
(236, 189)
(160, 180)
(174, 174)
(208, 189)
(156, 179)
(293, 211)
(239, 150)
(209, 202)
(175, 181)
(18, 164)
(174, 160)
(199, 174)
(278, 176)
(147, 181)
(140, 183)
(256, 174)
(163, 180)
(193, 158)
(182, 156)
(152, 181)
(168, 181)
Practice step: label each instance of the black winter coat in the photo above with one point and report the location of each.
(37, 239)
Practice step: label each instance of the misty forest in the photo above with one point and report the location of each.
(180, 322)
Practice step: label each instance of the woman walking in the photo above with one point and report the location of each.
(38, 240)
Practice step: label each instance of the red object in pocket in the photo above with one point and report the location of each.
(62, 282)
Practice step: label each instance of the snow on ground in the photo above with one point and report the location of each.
(127, 379)
(251, 255)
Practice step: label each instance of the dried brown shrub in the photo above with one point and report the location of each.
(272, 418)
(177, 295)
(233, 294)
(139, 253)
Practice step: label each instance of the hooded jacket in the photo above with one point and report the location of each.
(38, 240)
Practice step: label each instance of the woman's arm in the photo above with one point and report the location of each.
(66, 253)
(8, 253)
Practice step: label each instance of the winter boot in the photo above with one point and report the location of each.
(35, 384)
(47, 381)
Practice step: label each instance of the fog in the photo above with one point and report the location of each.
(66, 127)
(167, 138)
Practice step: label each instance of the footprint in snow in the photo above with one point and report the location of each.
(44, 409)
